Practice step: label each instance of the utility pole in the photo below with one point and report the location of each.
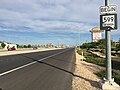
(79, 40)
(81, 49)
(119, 43)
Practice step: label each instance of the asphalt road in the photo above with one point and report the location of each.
(51, 70)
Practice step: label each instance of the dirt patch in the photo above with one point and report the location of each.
(84, 78)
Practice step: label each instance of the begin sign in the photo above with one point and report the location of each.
(108, 9)
(108, 21)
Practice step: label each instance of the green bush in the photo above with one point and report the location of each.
(92, 58)
(101, 74)
(98, 61)
(3, 45)
(115, 75)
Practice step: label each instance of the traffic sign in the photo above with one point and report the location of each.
(112, 9)
(108, 21)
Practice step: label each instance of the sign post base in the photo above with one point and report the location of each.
(109, 85)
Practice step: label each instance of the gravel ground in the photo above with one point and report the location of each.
(84, 77)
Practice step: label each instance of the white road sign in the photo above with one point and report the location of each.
(108, 9)
(108, 21)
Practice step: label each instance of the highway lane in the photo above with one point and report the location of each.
(54, 73)
(13, 61)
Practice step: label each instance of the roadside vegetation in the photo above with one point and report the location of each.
(92, 58)
(24, 46)
(32, 46)
(115, 75)
(49, 45)
(3, 45)
(100, 46)
(95, 59)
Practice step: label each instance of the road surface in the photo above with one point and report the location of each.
(47, 70)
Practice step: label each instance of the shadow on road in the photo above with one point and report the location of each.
(93, 83)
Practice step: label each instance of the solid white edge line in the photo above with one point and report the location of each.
(15, 69)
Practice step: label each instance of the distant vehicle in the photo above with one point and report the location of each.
(34, 48)
(11, 49)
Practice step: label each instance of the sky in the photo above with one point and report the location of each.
(51, 21)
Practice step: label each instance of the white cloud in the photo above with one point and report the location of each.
(50, 15)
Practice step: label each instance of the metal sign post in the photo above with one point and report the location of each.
(108, 51)
(108, 21)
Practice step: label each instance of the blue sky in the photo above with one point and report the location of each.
(51, 21)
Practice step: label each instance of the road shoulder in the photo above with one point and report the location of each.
(84, 78)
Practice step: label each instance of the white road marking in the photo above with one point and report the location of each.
(15, 69)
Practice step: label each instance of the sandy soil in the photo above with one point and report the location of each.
(84, 78)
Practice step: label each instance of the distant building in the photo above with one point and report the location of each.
(96, 34)
(9, 45)
(62, 46)
(50, 45)
(0, 44)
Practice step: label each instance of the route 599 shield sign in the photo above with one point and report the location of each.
(108, 21)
